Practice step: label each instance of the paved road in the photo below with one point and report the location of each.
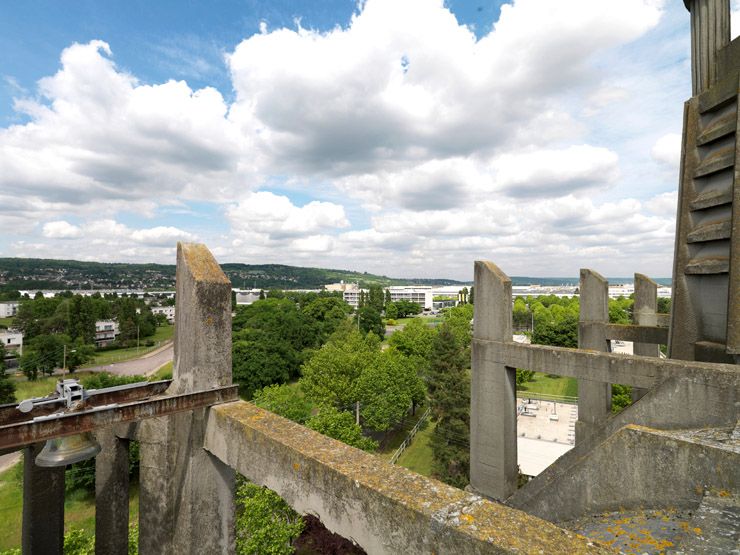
(148, 364)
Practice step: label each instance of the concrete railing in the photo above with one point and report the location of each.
(691, 394)
(383, 507)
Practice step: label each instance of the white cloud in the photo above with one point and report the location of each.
(61, 230)
(667, 150)
(275, 217)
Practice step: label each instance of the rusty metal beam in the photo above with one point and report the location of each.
(9, 414)
(19, 434)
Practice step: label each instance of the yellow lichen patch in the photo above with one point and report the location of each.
(697, 531)
(296, 467)
(468, 519)
(724, 493)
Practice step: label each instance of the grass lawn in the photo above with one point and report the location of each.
(79, 508)
(6, 322)
(418, 456)
(41, 387)
(163, 333)
(164, 373)
(559, 386)
(394, 438)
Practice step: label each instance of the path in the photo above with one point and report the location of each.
(148, 364)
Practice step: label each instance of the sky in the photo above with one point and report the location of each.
(400, 137)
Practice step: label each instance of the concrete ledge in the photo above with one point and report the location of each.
(384, 508)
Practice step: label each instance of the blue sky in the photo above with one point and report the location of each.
(407, 138)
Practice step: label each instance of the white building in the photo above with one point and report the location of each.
(12, 340)
(168, 311)
(419, 294)
(106, 332)
(352, 296)
(341, 286)
(247, 296)
(8, 309)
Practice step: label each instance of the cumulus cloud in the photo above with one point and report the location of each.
(276, 217)
(440, 147)
(667, 150)
(61, 230)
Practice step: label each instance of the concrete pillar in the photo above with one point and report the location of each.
(111, 494)
(187, 495)
(594, 398)
(43, 505)
(493, 448)
(644, 313)
(710, 31)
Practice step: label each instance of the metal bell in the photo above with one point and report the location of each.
(62, 451)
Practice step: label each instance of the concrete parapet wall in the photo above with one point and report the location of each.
(639, 467)
(384, 508)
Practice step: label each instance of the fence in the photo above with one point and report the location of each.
(412, 433)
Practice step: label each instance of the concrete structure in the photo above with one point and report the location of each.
(8, 309)
(106, 332)
(12, 340)
(168, 311)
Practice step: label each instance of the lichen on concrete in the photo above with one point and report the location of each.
(385, 508)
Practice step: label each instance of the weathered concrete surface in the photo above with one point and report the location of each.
(594, 397)
(644, 313)
(677, 403)
(384, 508)
(710, 32)
(640, 468)
(111, 494)
(43, 505)
(187, 496)
(493, 445)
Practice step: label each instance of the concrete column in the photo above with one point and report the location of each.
(187, 495)
(594, 398)
(493, 448)
(111, 494)
(710, 31)
(43, 505)
(644, 313)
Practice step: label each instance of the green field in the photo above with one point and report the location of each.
(5, 322)
(79, 508)
(163, 333)
(418, 456)
(545, 384)
(394, 438)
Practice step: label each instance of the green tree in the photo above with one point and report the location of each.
(265, 524)
(259, 360)
(341, 426)
(330, 374)
(376, 299)
(386, 390)
(391, 311)
(449, 391)
(387, 297)
(284, 400)
(7, 387)
(370, 321)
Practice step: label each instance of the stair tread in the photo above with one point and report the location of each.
(711, 231)
(711, 198)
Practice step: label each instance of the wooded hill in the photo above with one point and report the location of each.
(38, 273)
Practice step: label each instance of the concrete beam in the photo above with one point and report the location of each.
(111, 494)
(598, 367)
(493, 446)
(385, 508)
(187, 496)
(594, 398)
(645, 313)
(43, 505)
(654, 335)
